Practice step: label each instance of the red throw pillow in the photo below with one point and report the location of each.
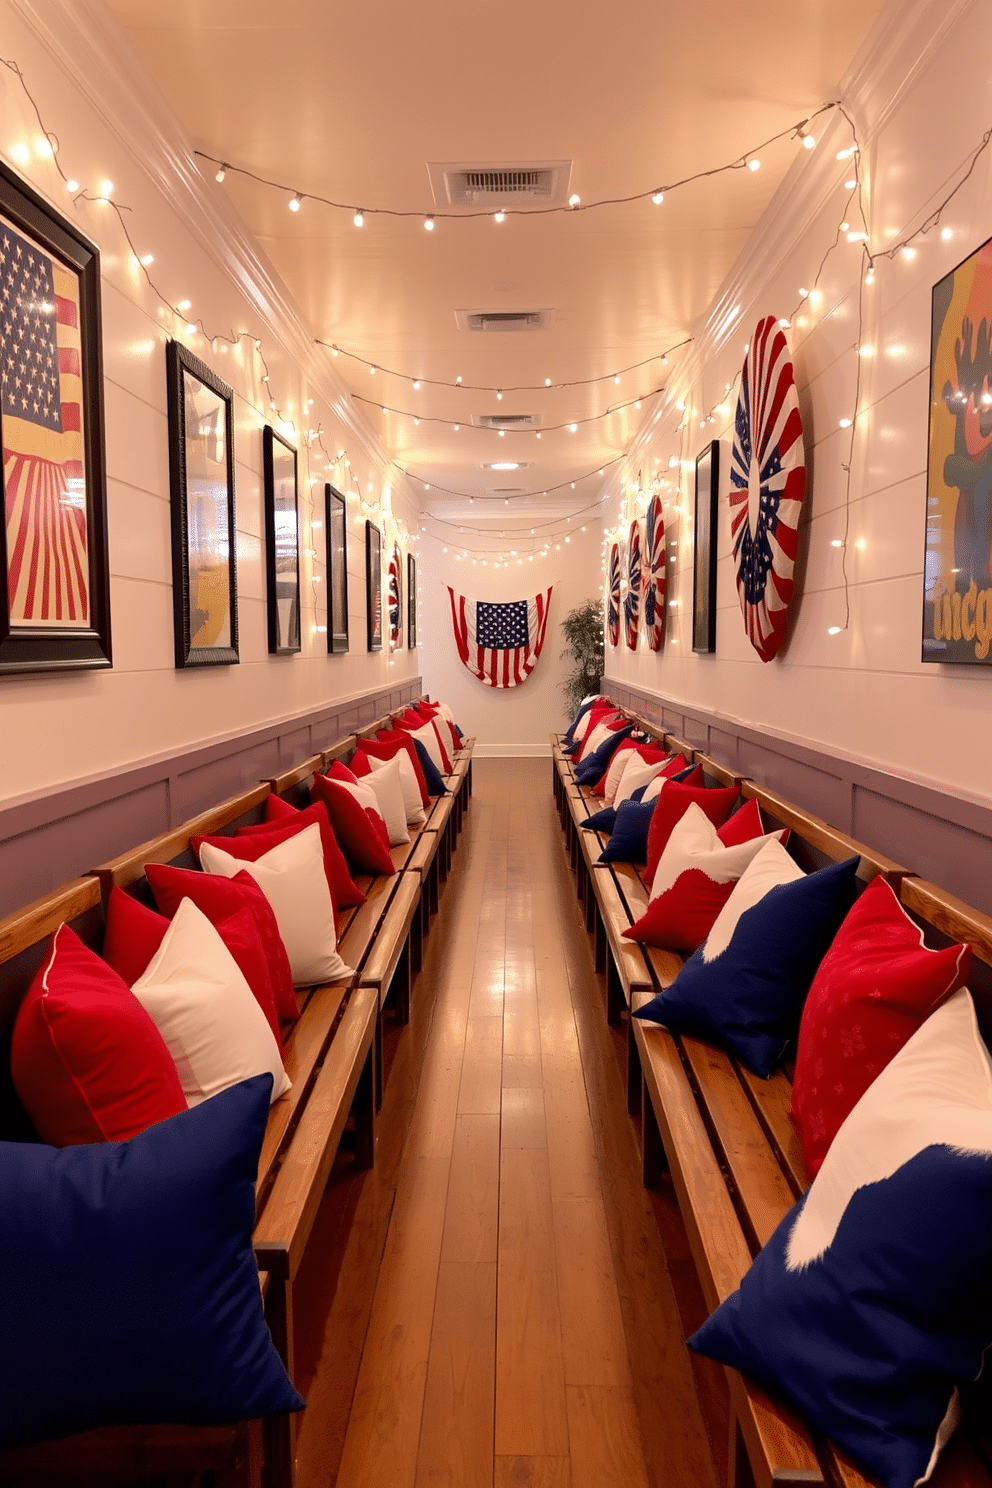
(361, 833)
(280, 814)
(411, 718)
(874, 988)
(219, 898)
(134, 933)
(609, 716)
(672, 805)
(337, 770)
(412, 722)
(384, 746)
(743, 826)
(87, 1061)
(426, 709)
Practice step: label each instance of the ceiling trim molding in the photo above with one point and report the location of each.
(904, 39)
(92, 49)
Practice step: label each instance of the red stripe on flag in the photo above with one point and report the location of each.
(69, 360)
(65, 311)
(71, 423)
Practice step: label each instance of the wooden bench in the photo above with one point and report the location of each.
(728, 1143)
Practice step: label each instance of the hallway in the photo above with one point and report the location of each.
(504, 1311)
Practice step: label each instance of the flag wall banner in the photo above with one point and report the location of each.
(499, 643)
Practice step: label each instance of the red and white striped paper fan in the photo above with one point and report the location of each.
(767, 485)
(613, 602)
(654, 574)
(632, 601)
(395, 599)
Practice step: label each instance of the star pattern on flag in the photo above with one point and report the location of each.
(29, 359)
(499, 626)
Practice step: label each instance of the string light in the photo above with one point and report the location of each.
(571, 426)
(655, 193)
(359, 221)
(296, 203)
(429, 222)
(221, 172)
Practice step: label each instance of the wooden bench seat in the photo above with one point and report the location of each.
(726, 1138)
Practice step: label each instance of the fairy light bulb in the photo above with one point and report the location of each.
(499, 216)
(754, 164)
(658, 197)
(574, 200)
(416, 386)
(547, 382)
(359, 218)
(221, 172)
(296, 202)
(429, 222)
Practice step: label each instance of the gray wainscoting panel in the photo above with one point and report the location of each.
(47, 840)
(935, 834)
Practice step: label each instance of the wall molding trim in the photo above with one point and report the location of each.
(48, 838)
(939, 836)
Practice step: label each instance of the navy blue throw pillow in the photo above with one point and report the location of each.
(600, 821)
(435, 782)
(748, 995)
(870, 1306)
(629, 841)
(589, 770)
(130, 1291)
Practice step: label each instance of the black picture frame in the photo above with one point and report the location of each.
(704, 549)
(54, 563)
(204, 535)
(373, 585)
(336, 537)
(282, 543)
(411, 602)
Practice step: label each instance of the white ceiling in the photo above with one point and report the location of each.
(351, 102)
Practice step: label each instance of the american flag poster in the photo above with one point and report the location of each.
(499, 643)
(43, 437)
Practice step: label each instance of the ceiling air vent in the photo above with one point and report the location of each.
(481, 184)
(507, 420)
(488, 322)
(509, 490)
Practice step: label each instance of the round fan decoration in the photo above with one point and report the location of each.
(395, 599)
(613, 605)
(767, 485)
(632, 599)
(654, 574)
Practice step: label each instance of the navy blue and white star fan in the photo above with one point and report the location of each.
(499, 642)
(871, 1304)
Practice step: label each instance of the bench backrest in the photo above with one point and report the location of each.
(944, 920)
(814, 844)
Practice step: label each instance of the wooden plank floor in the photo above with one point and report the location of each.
(493, 1306)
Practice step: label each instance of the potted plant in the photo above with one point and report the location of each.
(584, 647)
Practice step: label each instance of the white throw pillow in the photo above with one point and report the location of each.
(292, 878)
(599, 735)
(622, 757)
(428, 736)
(412, 802)
(655, 787)
(197, 997)
(637, 772)
(385, 785)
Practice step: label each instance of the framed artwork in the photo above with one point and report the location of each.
(411, 601)
(373, 585)
(54, 572)
(204, 543)
(336, 530)
(957, 567)
(282, 543)
(395, 598)
(704, 549)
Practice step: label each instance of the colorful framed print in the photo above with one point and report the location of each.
(204, 541)
(282, 543)
(373, 585)
(395, 598)
(704, 549)
(336, 530)
(957, 565)
(411, 601)
(54, 572)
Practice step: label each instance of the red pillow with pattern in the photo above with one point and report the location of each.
(874, 988)
(673, 803)
(219, 898)
(652, 754)
(360, 831)
(134, 933)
